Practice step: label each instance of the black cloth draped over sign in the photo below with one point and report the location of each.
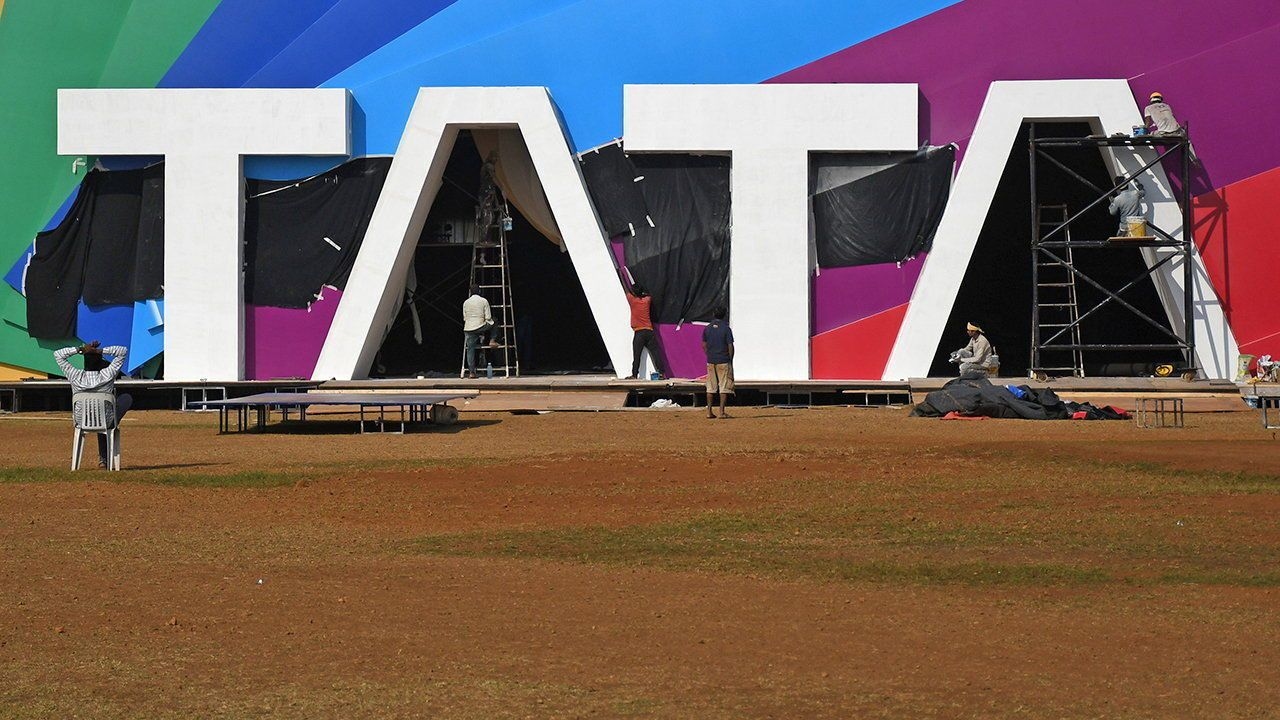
(126, 238)
(109, 249)
(888, 216)
(616, 189)
(683, 261)
(301, 236)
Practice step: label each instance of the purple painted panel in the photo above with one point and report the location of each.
(845, 295)
(285, 343)
(683, 349)
(1227, 97)
(954, 54)
(619, 254)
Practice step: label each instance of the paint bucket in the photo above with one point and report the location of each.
(655, 376)
(1139, 130)
(1137, 225)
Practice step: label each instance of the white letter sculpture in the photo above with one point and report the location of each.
(769, 130)
(204, 136)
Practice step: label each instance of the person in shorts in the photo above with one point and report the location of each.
(717, 343)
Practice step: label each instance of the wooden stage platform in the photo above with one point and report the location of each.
(604, 392)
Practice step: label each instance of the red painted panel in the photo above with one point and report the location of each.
(1237, 228)
(857, 351)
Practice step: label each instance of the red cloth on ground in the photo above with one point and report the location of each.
(640, 312)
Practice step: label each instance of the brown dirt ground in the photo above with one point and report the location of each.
(183, 588)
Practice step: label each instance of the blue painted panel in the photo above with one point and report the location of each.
(349, 31)
(147, 339)
(458, 25)
(108, 324)
(239, 38)
(587, 51)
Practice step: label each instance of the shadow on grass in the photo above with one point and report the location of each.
(171, 466)
(316, 426)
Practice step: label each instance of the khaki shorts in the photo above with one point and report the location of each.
(720, 378)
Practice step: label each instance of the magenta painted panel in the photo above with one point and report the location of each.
(683, 349)
(954, 54)
(845, 295)
(285, 343)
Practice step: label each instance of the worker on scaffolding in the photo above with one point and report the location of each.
(1160, 115)
(1126, 203)
(978, 358)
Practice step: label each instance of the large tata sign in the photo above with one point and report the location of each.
(768, 131)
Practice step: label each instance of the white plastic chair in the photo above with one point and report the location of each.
(95, 413)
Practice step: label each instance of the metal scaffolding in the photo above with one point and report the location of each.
(1056, 314)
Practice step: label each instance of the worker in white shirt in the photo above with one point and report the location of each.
(477, 321)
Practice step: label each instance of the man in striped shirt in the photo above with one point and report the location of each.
(97, 376)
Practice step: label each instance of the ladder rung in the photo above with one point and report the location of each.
(1049, 285)
(1056, 305)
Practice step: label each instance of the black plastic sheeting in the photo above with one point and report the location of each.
(301, 236)
(683, 261)
(109, 249)
(615, 188)
(888, 216)
(979, 397)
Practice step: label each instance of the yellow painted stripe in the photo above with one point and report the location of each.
(9, 373)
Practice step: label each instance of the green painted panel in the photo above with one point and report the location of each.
(154, 34)
(18, 348)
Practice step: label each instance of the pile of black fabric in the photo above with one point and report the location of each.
(978, 397)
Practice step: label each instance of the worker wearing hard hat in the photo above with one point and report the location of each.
(1159, 113)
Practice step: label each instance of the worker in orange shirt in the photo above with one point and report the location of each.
(640, 302)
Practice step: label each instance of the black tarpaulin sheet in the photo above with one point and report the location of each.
(615, 188)
(55, 274)
(301, 236)
(683, 261)
(125, 261)
(979, 397)
(888, 216)
(109, 249)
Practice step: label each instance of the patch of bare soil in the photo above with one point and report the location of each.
(277, 575)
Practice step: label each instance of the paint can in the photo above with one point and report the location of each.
(1139, 130)
(1137, 225)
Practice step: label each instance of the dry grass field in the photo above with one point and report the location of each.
(815, 563)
